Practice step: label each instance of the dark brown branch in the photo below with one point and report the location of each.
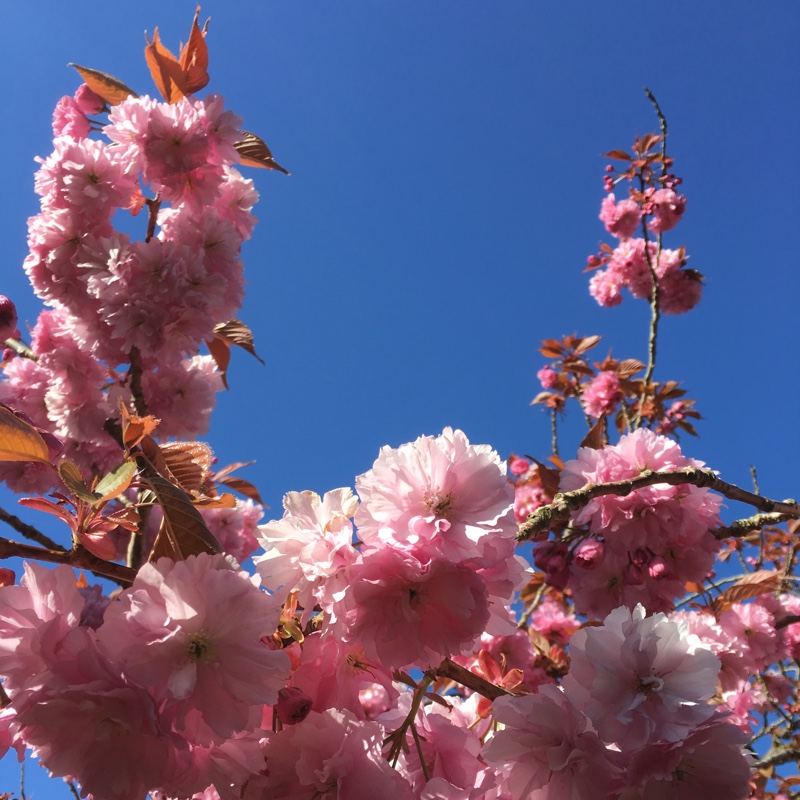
(28, 531)
(153, 206)
(135, 373)
(565, 504)
(455, 672)
(79, 558)
(791, 619)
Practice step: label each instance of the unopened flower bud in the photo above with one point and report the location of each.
(293, 706)
(8, 318)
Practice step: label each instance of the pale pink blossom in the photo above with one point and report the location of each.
(332, 754)
(69, 119)
(440, 493)
(310, 549)
(708, 763)
(235, 528)
(545, 749)
(191, 632)
(403, 612)
(641, 679)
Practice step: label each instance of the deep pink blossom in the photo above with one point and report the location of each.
(667, 207)
(602, 394)
(621, 219)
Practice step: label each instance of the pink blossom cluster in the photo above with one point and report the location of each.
(436, 561)
(630, 721)
(640, 548)
(629, 266)
(165, 689)
(115, 300)
(748, 641)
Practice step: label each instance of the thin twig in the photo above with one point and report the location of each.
(135, 373)
(554, 430)
(153, 206)
(566, 503)
(741, 527)
(21, 349)
(28, 531)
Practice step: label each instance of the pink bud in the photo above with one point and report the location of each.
(547, 377)
(8, 318)
(7, 577)
(293, 706)
(88, 101)
(518, 466)
(590, 554)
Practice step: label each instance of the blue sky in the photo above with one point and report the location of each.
(446, 181)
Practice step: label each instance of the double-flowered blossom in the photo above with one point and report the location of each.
(194, 633)
(115, 299)
(653, 540)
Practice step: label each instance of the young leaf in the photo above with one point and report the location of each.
(221, 353)
(111, 89)
(620, 155)
(549, 477)
(134, 428)
(19, 440)
(189, 463)
(194, 58)
(234, 331)
(594, 438)
(71, 476)
(183, 531)
(165, 69)
(255, 153)
(115, 482)
(243, 487)
(752, 585)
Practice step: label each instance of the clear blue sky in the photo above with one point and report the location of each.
(445, 187)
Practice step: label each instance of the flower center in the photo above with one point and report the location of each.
(201, 648)
(438, 503)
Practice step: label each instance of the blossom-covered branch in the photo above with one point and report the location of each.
(565, 503)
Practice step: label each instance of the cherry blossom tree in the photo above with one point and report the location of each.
(392, 640)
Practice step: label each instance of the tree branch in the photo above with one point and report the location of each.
(28, 531)
(455, 672)
(566, 503)
(79, 558)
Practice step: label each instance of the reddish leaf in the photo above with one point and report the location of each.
(165, 69)
(221, 473)
(619, 155)
(134, 428)
(594, 438)
(542, 397)
(189, 463)
(221, 353)
(243, 487)
(234, 331)
(19, 440)
(224, 500)
(183, 530)
(549, 477)
(194, 58)
(628, 367)
(111, 89)
(255, 153)
(587, 343)
(752, 585)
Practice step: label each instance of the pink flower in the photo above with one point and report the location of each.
(310, 548)
(191, 632)
(403, 612)
(441, 493)
(88, 101)
(621, 219)
(641, 679)
(668, 207)
(547, 376)
(331, 755)
(293, 705)
(709, 762)
(235, 528)
(547, 750)
(69, 119)
(527, 498)
(602, 394)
